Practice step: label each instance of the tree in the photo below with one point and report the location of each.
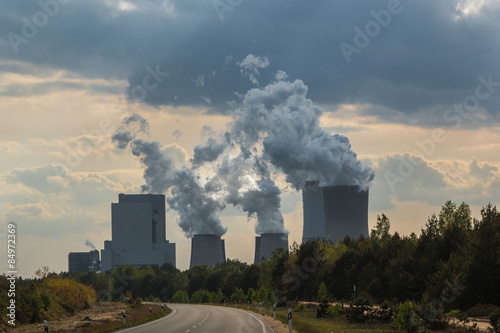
(237, 296)
(322, 292)
(381, 230)
(180, 296)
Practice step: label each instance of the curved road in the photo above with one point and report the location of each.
(204, 318)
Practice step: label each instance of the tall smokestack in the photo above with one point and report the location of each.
(207, 249)
(265, 244)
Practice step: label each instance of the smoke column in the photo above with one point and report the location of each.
(275, 129)
(89, 244)
(198, 211)
(286, 124)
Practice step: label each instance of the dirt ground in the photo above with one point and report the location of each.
(100, 315)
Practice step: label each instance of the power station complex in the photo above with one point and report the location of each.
(139, 235)
(333, 212)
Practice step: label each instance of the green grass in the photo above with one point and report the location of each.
(306, 322)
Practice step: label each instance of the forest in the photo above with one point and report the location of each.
(454, 264)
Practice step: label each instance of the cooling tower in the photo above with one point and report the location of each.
(314, 211)
(207, 250)
(265, 244)
(333, 212)
(346, 212)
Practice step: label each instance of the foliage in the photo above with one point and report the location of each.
(322, 292)
(180, 296)
(407, 319)
(203, 296)
(326, 310)
(237, 296)
(495, 321)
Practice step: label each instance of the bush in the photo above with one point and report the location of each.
(362, 311)
(481, 310)
(180, 296)
(407, 320)
(137, 303)
(46, 298)
(325, 310)
(301, 307)
(201, 295)
(495, 321)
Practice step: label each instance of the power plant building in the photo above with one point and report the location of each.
(333, 212)
(207, 249)
(83, 261)
(265, 244)
(138, 232)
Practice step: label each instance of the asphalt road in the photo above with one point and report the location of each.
(204, 318)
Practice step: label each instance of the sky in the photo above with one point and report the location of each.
(413, 84)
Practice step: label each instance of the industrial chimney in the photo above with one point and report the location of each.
(207, 249)
(333, 212)
(265, 244)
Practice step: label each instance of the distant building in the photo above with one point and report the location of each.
(138, 235)
(333, 212)
(83, 261)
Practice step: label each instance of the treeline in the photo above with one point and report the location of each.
(455, 260)
(453, 264)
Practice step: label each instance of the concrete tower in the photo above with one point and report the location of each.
(138, 233)
(333, 212)
(314, 211)
(265, 244)
(207, 249)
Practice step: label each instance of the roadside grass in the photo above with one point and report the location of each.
(306, 322)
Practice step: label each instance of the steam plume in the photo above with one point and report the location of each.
(89, 244)
(198, 211)
(275, 129)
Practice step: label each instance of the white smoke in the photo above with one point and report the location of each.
(281, 119)
(275, 129)
(250, 67)
(198, 211)
(89, 244)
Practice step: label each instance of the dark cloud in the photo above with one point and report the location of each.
(429, 54)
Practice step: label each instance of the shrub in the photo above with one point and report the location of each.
(301, 307)
(362, 311)
(481, 310)
(407, 320)
(180, 296)
(495, 321)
